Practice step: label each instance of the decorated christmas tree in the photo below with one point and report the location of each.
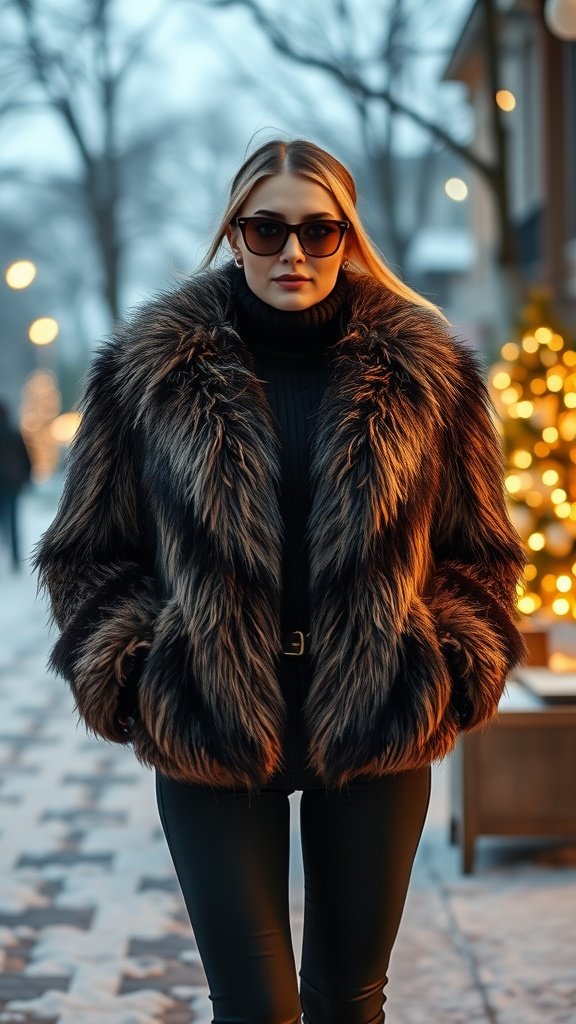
(534, 391)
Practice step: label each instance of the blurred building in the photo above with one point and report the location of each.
(539, 70)
(442, 248)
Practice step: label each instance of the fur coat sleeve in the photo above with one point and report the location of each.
(479, 556)
(92, 564)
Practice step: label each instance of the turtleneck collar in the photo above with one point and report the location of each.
(288, 336)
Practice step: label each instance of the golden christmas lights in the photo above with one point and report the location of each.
(533, 387)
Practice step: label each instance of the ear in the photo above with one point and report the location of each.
(231, 234)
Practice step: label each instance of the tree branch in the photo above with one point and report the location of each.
(40, 62)
(355, 85)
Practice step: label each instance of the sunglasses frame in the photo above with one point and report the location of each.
(343, 226)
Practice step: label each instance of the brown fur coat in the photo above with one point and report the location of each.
(169, 533)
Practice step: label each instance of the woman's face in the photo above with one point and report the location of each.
(290, 197)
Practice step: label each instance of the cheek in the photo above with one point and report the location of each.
(257, 275)
(259, 266)
(327, 274)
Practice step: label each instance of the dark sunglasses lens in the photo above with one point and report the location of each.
(320, 238)
(265, 237)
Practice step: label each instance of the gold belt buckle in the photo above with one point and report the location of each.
(300, 636)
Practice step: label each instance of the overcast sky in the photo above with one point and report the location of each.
(197, 51)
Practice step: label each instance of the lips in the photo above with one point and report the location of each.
(289, 277)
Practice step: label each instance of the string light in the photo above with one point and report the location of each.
(533, 387)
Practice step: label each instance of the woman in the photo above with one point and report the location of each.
(282, 560)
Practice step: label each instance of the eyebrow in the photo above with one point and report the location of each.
(308, 216)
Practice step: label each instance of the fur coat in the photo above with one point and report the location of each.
(164, 557)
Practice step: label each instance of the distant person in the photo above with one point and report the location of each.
(283, 538)
(15, 468)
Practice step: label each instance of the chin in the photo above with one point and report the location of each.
(288, 299)
(293, 303)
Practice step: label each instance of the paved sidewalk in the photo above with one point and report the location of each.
(93, 927)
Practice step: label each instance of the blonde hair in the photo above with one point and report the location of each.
(300, 156)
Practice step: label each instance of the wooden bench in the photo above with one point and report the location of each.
(517, 776)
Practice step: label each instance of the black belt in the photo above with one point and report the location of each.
(295, 642)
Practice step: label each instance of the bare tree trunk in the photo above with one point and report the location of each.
(507, 249)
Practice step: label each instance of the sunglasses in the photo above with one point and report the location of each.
(265, 236)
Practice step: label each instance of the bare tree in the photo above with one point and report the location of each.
(76, 64)
(354, 71)
(81, 66)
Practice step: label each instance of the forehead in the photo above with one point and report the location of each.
(291, 194)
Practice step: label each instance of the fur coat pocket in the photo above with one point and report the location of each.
(96, 652)
(480, 642)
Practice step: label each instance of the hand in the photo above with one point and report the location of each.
(459, 700)
(127, 710)
(126, 724)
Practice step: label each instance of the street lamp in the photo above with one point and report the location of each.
(20, 274)
(42, 333)
(506, 100)
(456, 189)
(560, 17)
(43, 330)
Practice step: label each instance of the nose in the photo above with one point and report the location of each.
(292, 247)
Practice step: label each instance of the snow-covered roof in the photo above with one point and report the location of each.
(441, 250)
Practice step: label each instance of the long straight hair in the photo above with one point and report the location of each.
(300, 156)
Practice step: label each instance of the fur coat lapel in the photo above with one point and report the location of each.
(414, 562)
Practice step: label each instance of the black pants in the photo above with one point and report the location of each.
(230, 850)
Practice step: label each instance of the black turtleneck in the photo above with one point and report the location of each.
(289, 352)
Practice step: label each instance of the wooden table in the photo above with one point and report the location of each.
(517, 776)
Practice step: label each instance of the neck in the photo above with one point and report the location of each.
(289, 335)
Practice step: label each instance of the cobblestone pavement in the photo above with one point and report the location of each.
(93, 927)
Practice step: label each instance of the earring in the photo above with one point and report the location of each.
(238, 264)
(345, 263)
